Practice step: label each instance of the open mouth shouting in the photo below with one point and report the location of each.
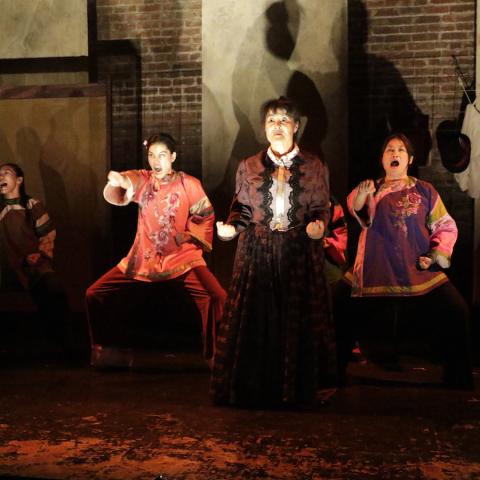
(394, 163)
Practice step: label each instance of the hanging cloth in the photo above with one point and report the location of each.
(469, 179)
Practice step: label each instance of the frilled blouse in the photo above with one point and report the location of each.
(254, 201)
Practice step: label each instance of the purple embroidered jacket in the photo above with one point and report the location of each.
(402, 221)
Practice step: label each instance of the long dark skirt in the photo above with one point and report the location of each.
(276, 342)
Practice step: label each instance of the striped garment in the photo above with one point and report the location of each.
(25, 233)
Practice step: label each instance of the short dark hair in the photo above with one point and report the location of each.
(164, 138)
(400, 136)
(281, 103)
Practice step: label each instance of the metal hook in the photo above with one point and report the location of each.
(461, 79)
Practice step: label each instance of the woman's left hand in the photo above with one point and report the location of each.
(316, 229)
(425, 262)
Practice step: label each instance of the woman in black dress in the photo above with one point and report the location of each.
(276, 342)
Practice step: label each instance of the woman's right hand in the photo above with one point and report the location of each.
(225, 231)
(364, 189)
(367, 186)
(116, 179)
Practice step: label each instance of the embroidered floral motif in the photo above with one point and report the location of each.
(407, 206)
(165, 214)
(147, 196)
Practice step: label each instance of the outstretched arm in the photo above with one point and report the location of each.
(119, 189)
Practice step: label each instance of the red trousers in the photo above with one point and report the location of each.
(114, 299)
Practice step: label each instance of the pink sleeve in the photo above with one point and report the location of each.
(118, 195)
(201, 216)
(443, 230)
(366, 219)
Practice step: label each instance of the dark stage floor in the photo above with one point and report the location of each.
(156, 421)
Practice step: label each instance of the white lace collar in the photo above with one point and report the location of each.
(284, 160)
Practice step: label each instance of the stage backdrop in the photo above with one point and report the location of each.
(43, 28)
(258, 49)
(60, 137)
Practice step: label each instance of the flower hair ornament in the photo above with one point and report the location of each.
(145, 143)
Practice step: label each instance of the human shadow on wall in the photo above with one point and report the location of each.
(283, 25)
(380, 103)
(69, 187)
(50, 182)
(262, 72)
(267, 74)
(65, 173)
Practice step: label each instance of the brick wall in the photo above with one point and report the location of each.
(400, 58)
(152, 52)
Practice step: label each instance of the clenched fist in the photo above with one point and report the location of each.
(225, 231)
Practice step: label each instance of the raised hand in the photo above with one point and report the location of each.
(364, 189)
(366, 186)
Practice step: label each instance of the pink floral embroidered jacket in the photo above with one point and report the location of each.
(175, 224)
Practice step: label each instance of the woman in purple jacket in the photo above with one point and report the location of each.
(406, 241)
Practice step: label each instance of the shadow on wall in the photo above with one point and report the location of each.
(261, 73)
(379, 103)
(281, 38)
(54, 165)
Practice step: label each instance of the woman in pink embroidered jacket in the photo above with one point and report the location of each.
(406, 241)
(175, 227)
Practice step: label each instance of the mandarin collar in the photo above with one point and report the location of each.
(11, 201)
(171, 177)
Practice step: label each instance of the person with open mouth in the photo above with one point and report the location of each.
(405, 244)
(175, 227)
(27, 238)
(276, 345)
